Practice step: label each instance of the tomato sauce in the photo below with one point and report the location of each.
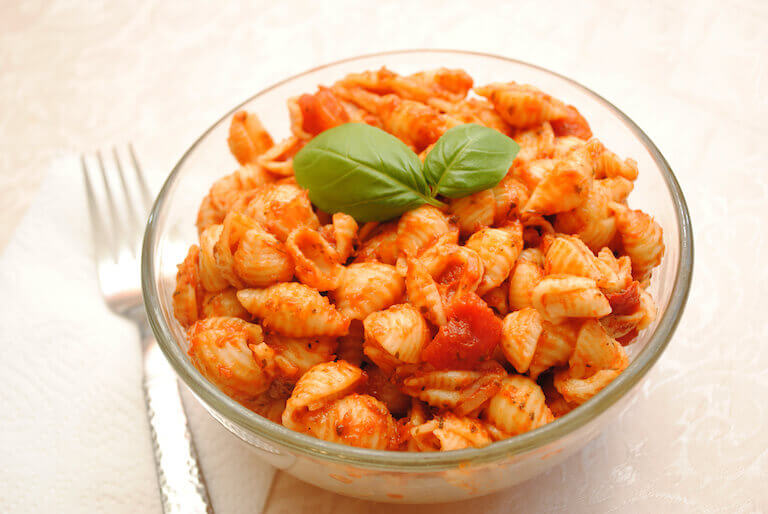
(451, 275)
(572, 125)
(627, 338)
(321, 111)
(468, 338)
(625, 301)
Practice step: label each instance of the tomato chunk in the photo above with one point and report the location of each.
(322, 111)
(625, 301)
(628, 337)
(468, 338)
(573, 124)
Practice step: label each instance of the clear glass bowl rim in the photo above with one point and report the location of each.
(422, 462)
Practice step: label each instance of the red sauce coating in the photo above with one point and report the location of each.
(572, 125)
(321, 111)
(625, 301)
(469, 337)
(451, 275)
(627, 338)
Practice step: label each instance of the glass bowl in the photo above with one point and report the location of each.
(402, 476)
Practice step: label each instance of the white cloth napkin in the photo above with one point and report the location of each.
(75, 436)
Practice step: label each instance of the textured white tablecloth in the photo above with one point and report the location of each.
(77, 76)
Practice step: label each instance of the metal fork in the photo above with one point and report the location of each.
(119, 200)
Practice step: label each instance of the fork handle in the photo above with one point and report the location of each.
(181, 482)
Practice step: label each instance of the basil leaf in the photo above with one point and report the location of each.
(468, 158)
(362, 171)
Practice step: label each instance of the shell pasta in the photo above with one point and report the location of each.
(463, 321)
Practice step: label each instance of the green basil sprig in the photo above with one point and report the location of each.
(373, 176)
(362, 171)
(467, 159)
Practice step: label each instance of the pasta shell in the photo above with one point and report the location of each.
(608, 164)
(595, 350)
(573, 124)
(648, 307)
(293, 309)
(234, 227)
(536, 228)
(577, 391)
(423, 292)
(449, 432)
(231, 354)
(565, 145)
(247, 137)
(211, 276)
(522, 105)
(188, 295)
(344, 235)
(296, 355)
(399, 330)
(591, 221)
(223, 304)
(381, 247)
(474, 211)
(619, 326)
(615, 274)
(417, 414)
(518, 406)
(247, 255)
(509, 197)
(565, 187)
(570, 256)
(281, 208)
(567, 296)
(443, 83)
(535, 143)
(322, 384)
(419, 228)
(456, 269)
(642, 239)
(357, 420)
(498, 249)
(316, 261)
(532, 173)
(416, 124)
(519, 336)
(526, 274)
(615, 189)
(278, 160)
(228, 191)
(472, 110)
(462, 392)
(261, 260)
(208, 214)
(554, 347)
(367, 287)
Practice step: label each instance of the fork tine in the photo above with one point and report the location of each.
(119, 241)
(133, 221)
(117, 226)
(97, 226)
(145, 194)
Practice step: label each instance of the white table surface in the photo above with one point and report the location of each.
(75, 76)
